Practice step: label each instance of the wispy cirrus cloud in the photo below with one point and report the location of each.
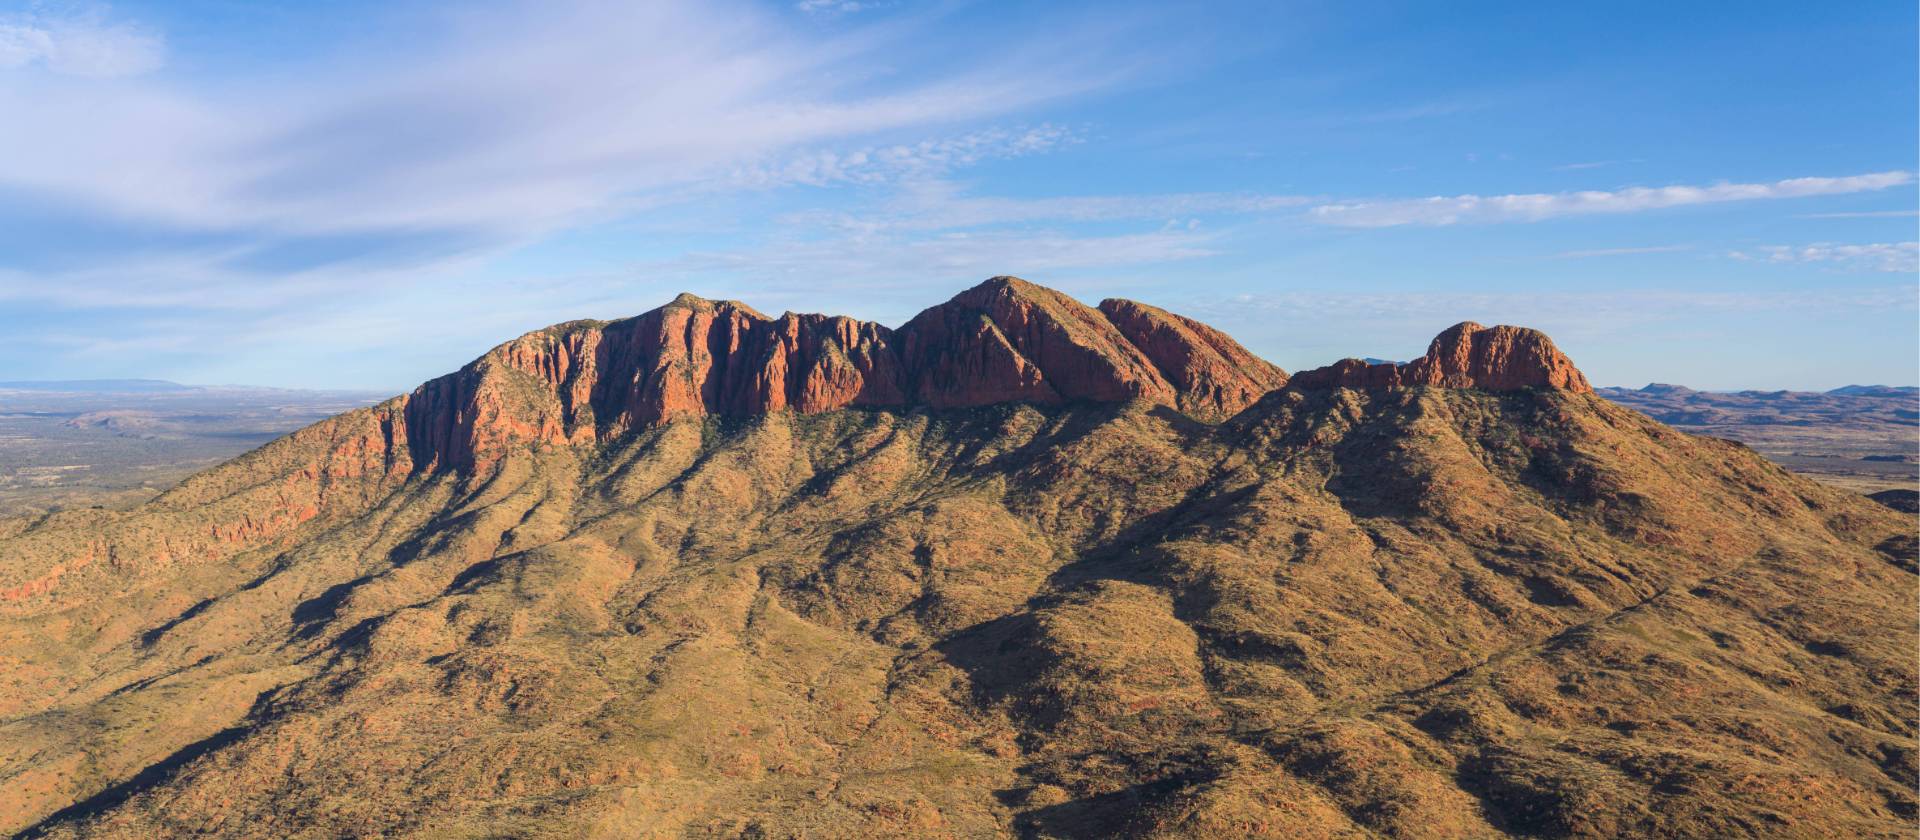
(1897, 257)
(1534, 207)
(898, 161)
(87, 43)
(526, 119)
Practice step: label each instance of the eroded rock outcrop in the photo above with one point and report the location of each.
(1009, 340)
(1211, 374)
(1467, 355)
(1005, 340)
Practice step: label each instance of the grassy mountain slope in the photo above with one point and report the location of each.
(1409, 612)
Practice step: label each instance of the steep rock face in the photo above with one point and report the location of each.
(1009, 340)
(1005, 340)
(1212, 374)
(583, 381)
(1467, 355)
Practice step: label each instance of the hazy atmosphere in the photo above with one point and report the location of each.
(365, 195)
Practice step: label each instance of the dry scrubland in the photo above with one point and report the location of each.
(1862, 438)
(79, 444)
(1342, 612)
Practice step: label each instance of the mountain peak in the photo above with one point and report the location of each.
(1003, 340)
(1465, 355)
(689, 300)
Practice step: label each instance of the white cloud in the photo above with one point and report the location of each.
(1445, 210)
(78, 45)
(511, 123)
(1898, 257)
(923, 159)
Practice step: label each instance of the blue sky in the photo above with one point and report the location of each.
(366, 195)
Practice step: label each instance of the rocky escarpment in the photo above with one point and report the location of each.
(1005, 340)
(1210, 373)
(588, 383)
(1408, 612)
(1467, 355)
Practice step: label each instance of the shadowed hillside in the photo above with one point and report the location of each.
(1021, 566)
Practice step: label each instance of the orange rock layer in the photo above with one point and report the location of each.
(1002, 341)
(1467, 355)
(1005, 340)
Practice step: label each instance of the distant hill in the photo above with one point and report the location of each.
(96, 386)
(1853, 405)
(1907, 391)
(1863, 437)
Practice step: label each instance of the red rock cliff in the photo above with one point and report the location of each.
(1004, 340)
(1467, 355)
(1211, 374)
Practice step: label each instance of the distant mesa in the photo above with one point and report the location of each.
(1467, 355)
(1663, 388)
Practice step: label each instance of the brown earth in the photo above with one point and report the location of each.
(598, 584)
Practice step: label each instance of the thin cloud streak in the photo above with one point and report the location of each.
(1470, 209)
(1894, 257)
(521, 123)
(85, 44)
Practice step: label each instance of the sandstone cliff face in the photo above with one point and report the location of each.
(1467, 355)
(1009, 340)
(1212, 374)
(1005, 340)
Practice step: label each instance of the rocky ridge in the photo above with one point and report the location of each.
(620, 579)
(1466, 355)
(1004, 340)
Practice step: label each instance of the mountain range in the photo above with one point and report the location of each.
(1021, 566)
